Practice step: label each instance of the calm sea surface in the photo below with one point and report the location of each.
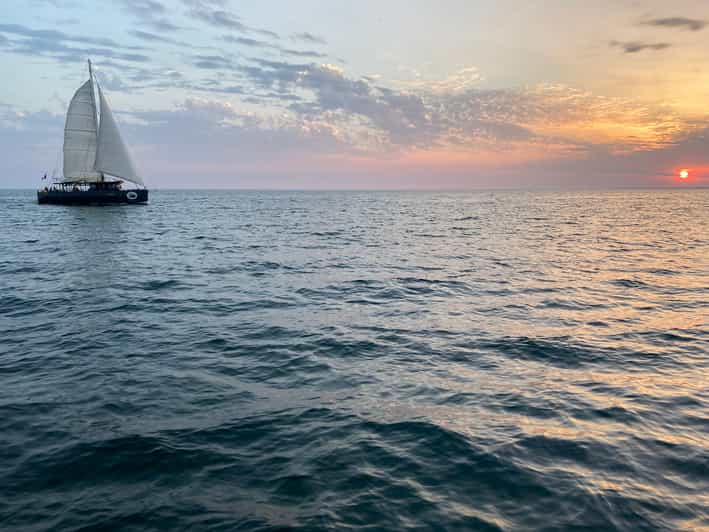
(380, 361)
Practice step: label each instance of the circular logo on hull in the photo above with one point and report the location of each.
(131, 195)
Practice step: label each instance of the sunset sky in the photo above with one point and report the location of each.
(368, 94)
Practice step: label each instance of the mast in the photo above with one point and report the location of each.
(93, 101)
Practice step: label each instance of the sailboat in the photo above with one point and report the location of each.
(96, 160)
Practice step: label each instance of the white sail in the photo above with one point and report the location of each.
(80, 136)
(112, 155)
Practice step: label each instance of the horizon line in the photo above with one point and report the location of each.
(428, 189)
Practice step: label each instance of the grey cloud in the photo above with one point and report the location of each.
(150, 13)
(302, 53)
(138, 58)
(684, 23)
(406, 119)
(212, 62)
(144, 8)
(220, 18)
(277, 75)
(152, 37)
(111, 81)
(215, 13)
(282, 97)
(230, 89)
(402, 116)
(69, 54)
(147, 36)
(57, 36)
(634, 47)
(267, 33)
(132, 73)
(64, 47)
(121, 79)
(308, 37)
(163, 25)
(247, 41)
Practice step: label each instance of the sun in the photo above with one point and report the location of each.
(684, 174)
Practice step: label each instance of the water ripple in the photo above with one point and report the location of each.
(356, 361)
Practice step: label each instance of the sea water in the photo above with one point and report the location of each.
(243, 360)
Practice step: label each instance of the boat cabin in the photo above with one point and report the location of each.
(84, 186)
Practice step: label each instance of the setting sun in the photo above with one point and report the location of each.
(684, 174)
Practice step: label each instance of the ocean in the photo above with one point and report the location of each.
(245, 360)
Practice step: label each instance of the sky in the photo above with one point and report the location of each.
(335, 94)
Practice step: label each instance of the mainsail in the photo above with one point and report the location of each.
(112, 155)
(80, 136)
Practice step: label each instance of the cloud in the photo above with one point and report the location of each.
(211, 110)
(152, 37)
(56, 36)
(603, 167)
(308, 37)
(212, 138)
(150, 13)
(276, 75)
(119, 78)
(451, 113)
(392, 116)
(464, 79)
(634, 47)
(350, 127)
(112, 82)
(302, 53)
(446, 112)
(402, 116)
(132, 73)
(684, 23)
(64, 47)
(215, 13)
(246, 41)
(573, 115)
(256, 43)
(213, 62)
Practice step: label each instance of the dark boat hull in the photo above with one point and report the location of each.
(91, 197)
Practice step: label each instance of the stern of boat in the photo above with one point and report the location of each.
(136, 196)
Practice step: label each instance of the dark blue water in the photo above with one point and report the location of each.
(363, 361)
